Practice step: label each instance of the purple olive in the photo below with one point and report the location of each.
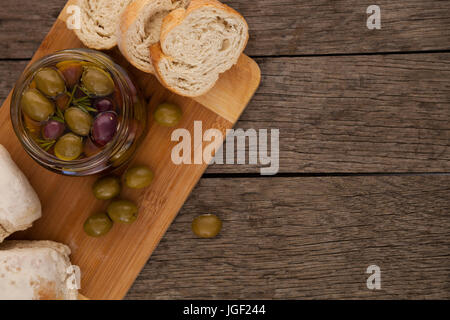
(103, 105)
(53, 130)
(104, 128)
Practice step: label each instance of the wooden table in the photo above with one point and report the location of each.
(364, 157)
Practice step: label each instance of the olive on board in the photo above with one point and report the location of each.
(207, 226)
(98, 225)
(122, 211)
(97, 81)
(138, 177)
(168, 114)
(78, 121)
(106, 188)
(36, 106)
(49, 82)
(69, 147)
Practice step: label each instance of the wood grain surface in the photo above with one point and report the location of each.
(348, 115)
(278, 27)
(307, 238)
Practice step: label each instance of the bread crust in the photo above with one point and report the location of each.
(36, 270)
(110, 43)
(174, 19)
(128, 17)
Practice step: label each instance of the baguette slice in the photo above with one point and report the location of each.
(36, 270)
(99, 20)
(19, 203)
(140, 27)
(198, 44)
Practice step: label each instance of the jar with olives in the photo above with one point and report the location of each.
(78, 113)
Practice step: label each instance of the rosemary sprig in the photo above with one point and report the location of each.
(84, 90)
(84, 103)
(71, 95)
(59, 116)
(46, 144)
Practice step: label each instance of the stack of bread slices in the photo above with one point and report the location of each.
(187, 44)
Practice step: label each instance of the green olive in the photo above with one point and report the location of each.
(36, 106)
(206, 226)
(78, 121)
(106, 188)
(168, 114)
(123, 211)
(97, 81)
(98, 225)
(69, 147)
(49, 82)
(138, 177)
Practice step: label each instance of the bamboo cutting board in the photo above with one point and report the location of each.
(110, 264)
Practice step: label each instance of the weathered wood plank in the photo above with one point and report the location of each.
(307, 238)
(281, 27)
(355, 114)
(345, 114)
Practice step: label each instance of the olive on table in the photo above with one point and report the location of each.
(98, 225)
(106, 188)
(78, 121)
(104, 104)
(122, 211)
(168, 114)
(104, 127)
(49, 82)
(207, 226)
(138, 177)
(69, 147)
(52, 130)
(71, 71)
(97, 81)
(36, 106)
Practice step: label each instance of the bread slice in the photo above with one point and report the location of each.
(140, 27)
(36, 270)
(19, 203)
(197, 44)
(99, 20)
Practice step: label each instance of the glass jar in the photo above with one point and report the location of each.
(131, 115)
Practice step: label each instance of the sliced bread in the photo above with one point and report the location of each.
(198, 44)
(36, 270)
(99, 20)
(19, 203)
(140, 27)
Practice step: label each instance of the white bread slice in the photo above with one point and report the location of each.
(140, 27)
(198, 44)
(36, 270)
(19, 203)
(99, 19)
